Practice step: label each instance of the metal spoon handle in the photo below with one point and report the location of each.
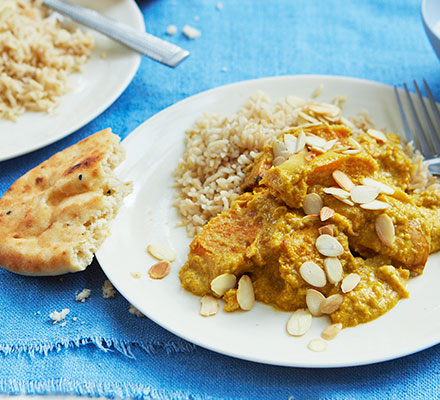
(149, 45)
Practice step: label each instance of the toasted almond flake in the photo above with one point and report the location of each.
(313, 274)
(363, 194)
(343, 180)
(222, 283)
(317, 345)
(331, 331)
(375, 205)
(160, 270)
(329, 246)
(350, 282)
(385, 229)
(307, 117)
(312, 204)
(383, 188)
(245, 293)
(300, 142)
(324, 109)
(326, 213)
(327, 230)
(346, 201)
(290, 142)
(331, 303)
(299, 322)
(208, 306)
(278, 161)
(279, 148)
(351, 151)
(313, 301)
(316, 141)
(378, 135)
(161, 253)
(330, 144)
(339, 193)
(333, 269)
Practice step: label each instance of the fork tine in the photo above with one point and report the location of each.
(424, 146)
(433, 105)
(408, 134)
(433, 141)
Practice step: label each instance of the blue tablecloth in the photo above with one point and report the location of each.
(105, 351)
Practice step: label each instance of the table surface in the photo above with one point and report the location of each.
(108, 352)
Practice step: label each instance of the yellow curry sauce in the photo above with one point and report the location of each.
(267, 235)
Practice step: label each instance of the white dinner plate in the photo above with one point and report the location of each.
(102, 81)
(147, 216)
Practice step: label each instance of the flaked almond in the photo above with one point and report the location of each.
(326, 109)
(363, 194)
(313, 301)
(290, 142)
(160, 270)
(327, 230)
(245, 293)
(222, 283)
(300, 142)
(317, 345)
(343, 180)
(316, 142)
(385, 229)
(378, 135)
(331, 331)
(346, 201)
(331, 304)
(312, 204)
(337, 192)
(278, 161)
(313, 274)
(279, 149)
(350, 282)
(329, 246)
(383, 188)
(162, 253)
(208, 306)
(375, 205)
(333, 269)
(299, 323)
(326, 213)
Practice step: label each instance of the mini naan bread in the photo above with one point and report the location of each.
(54, 218)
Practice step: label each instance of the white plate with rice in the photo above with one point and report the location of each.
(104, 77)
(149, 217)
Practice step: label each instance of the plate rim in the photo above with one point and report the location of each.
(138, 130)
(140, 25)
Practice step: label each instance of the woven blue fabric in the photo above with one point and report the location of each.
(105, 351)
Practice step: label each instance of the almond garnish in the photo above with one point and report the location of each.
(379, 185)
(317, 345)
(378, 135)
(331, 331)
(208, 306)
(331, 304)
(375, 205)
(343, 180)
(333, 269)
(161, 253)
(350, 282)
(385, 229)
(290, 142)
(313, 301)
(245, 293)
(300, 142)
(326, 213)
(363, 194)
(299, 323)
(337, 192)
(278, 161)
(222, 283)
(312, 204)
(329, 246)
(279, 149)
(327, 230)
(313, 274)
(160, 270)
(324, 109)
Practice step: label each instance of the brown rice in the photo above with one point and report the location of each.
(36, 58)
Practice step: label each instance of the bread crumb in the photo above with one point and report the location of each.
(75, 318)
(219, 6)
(59, 316)
(191, 32)
(108, 290)
(135, 275)
(83, 295)
(63, 323)
(171, 30)
(103, 55)
(133, 310)
(224, 69)
(317, 92)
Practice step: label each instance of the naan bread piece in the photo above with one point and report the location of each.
(54, 218)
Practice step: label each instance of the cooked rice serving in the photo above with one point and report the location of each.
(218, 149)
(37, 56)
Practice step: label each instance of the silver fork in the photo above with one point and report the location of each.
(426, 137)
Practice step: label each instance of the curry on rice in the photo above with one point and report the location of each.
(327, 212)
